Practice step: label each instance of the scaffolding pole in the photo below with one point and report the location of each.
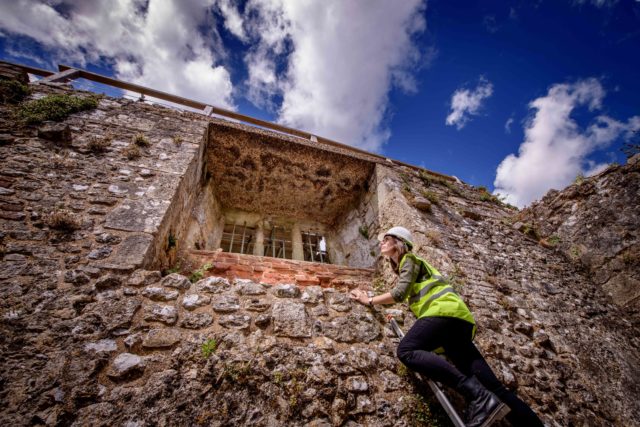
(244, 229)
(233, 234)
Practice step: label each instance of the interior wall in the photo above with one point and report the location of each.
(173, 232)
(354, 239)
(205, 226)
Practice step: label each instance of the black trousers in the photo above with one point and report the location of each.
(454, 335)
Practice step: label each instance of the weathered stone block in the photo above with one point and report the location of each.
(356, 384)
(193, 301)
(157, 293)
(126, 364)
(119, 313)
(290, 319)
(102, 346)
(312, 295)
(132, 251)
(213, 285)
(390, 381)
(108, 281)
(177, 281)
(286, 291)
(166, 314)
(55, 132)
(226, 304)
(249, 287)
(100, 253)
(144, 278)
(196, 320)
(356, 327)
(235, 321)
(338, 301)
(161, 338)
(256, 304)
(144, 215)
(76, 277)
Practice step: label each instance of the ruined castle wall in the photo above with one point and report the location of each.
(121, 204)
(595, 223)
(547, 331)
(84, 341)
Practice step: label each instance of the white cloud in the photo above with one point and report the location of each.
(232, 19)
(155, 44)
(466, 103)
(338, 60)
(325, 67)
(507, 125)
(555, 148)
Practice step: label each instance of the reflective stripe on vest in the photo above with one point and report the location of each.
(439, 280)
(419, 302)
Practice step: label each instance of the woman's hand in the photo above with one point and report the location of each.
(360, 296)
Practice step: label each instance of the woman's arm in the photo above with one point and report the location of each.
(362, 297)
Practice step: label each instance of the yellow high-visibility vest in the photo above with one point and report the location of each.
(434, 296)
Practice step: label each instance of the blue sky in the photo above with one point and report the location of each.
(517, 96)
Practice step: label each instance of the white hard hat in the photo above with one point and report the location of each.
(400, 233)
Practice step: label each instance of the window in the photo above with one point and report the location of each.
(315, 247)
(277, 243)
(238, 238)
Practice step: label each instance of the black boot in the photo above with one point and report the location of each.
(484, 408)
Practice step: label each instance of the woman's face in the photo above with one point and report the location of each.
(388, 246)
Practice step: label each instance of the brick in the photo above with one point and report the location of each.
(219, 267)
(239, 267)
(241, 275)
(310, 281)
(228, 256)
(272, 275)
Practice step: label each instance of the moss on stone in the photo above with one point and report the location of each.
(55, 108)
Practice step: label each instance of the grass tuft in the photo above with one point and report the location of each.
(209, 347)
(140, 140)
(132, 152)
(199, 273)
(99, 145)
(12, 91)
(62, 221)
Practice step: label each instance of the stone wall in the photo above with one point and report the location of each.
(547, 330)
(87, 337)
(594, 222)
(120, 205)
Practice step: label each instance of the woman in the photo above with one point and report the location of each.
(444, 324)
